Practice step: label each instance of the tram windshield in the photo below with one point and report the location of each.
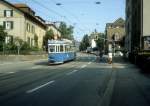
(51, 48)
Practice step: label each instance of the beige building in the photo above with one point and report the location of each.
(19, 20)
(57, 33)
(115, 33)
(137, 25)
(95, 36)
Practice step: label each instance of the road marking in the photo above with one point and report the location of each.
(10, 72)
(36, 67)
(83, 66)
(20, 62)
(106, 100)
(39, 87)
(71, 72)
(89, 63)
(6, 63)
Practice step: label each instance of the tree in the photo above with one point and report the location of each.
(3, 34)
(85, 43)
(48, 36)
(36, 40)
(19, 43)
(66, 32)
(100, 42)
(82, 46)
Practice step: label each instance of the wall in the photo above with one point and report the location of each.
(146, 17)
(18, 19)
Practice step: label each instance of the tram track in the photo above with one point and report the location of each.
(8, 87)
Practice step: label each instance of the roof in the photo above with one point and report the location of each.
(53, 26)
(24, 8)
(63, 41)
(21, 5)
(27, 15)
(118, 22)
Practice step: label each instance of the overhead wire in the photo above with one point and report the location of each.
(70, 13)
(44, 6)
(53, 11)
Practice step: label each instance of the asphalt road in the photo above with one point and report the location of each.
(84, 82)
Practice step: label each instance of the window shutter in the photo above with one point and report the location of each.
(11, 39)
(4, 25)
(11, 13)
(12, 25)
(4, 13)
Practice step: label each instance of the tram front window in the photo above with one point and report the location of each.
(51, 48)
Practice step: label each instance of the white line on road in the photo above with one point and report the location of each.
(71, 72)
(93, 60)
(83, 66)
(36, 67)
(39, 87)
(89, 63)
(11, 72)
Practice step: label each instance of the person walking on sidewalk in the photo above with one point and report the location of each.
(101, 54)
(109, 57)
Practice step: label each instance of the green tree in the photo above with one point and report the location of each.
(66, 32)
(3, 34)
(100, 42)
(48, 36)
(85, 43)
(36, 40)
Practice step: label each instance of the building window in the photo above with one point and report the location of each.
(28, 27)
(33, 29)
(9, 39)
(8, 13)
(28, 40)
(8, 25)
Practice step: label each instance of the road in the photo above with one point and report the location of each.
(84, 82)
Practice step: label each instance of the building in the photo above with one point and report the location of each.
(115, 33)
(57, 33)
(20, 21)
(137, 26)
(95, 36)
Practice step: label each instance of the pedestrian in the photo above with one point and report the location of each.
(110, 58)
(100, 55)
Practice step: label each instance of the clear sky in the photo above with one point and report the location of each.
(84, 15)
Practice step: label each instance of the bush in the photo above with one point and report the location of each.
(25, 46)
(35, 48)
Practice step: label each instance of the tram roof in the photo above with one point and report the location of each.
(63, 41)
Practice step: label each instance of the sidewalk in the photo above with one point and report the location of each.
(8, 59)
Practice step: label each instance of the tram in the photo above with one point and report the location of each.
(60, 51)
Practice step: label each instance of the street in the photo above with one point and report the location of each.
(83, 82)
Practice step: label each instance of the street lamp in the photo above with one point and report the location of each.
(97, 2)
(58, 4)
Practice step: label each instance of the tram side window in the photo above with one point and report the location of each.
(52, 48)
(65, 48)
(68, 48)
(57, 48)
(61, 48)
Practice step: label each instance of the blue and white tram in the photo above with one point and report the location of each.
(60, 51)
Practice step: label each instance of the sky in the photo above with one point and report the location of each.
(84, 15)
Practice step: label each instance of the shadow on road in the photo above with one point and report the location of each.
(45, 63)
